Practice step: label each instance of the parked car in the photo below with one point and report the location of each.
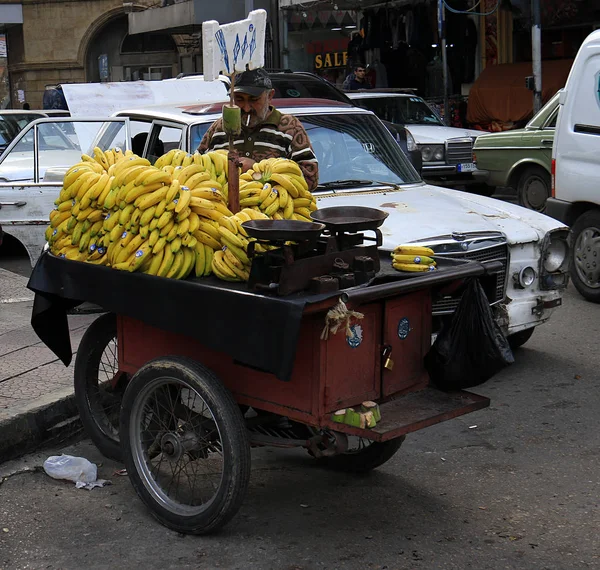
(447, 152)
(576, 166)
(520, 158)
(361, 164)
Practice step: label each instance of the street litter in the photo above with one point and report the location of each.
(77, 469)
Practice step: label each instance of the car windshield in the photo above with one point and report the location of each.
(400, 110)
(351, 146)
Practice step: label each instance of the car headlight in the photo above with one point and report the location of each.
(432, 152)
(411, 145)
(554, 263)
(555, 255)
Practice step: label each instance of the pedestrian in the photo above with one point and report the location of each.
(266, 132)
(26, 107)
(357, 79)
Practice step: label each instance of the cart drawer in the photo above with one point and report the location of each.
(350, 366)
(407, 331)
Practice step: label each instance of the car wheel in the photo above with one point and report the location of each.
(518, 339)
(533, 188)
(585, 263)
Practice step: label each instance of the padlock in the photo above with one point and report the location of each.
(388, 363)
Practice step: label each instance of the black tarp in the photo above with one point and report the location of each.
(254, 329)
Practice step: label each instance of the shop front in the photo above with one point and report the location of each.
(318, 41)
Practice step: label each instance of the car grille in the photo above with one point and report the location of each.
(459, 151)
(493, 285)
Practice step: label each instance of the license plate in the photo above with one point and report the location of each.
(466, 167)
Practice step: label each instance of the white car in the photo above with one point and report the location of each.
(447, 152)
(361, 164)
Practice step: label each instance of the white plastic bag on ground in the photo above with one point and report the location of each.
(76, 469)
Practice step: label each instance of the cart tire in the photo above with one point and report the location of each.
(177, 417)
(96, 364)
(366, 459)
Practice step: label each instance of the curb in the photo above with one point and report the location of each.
(45, 420)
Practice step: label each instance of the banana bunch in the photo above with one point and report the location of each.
(277, 187)
(170, 219)
(76, 228)
(413, 258)
(230, 262)
(213, 163)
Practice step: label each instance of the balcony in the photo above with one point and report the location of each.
(185, 17)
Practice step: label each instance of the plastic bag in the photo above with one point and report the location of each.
(471, 348)
(76, 469)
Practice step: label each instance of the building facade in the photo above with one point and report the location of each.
(71, 41)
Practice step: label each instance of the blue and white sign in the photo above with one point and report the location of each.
(230, 48)
(403, 328)
(355, 338)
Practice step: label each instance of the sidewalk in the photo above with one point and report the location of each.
(36, 389)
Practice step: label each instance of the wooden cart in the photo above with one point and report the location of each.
(183, 416)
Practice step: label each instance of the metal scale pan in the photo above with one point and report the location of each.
(349, 218)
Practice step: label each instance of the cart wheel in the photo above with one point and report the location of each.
(185, 445)
(96, 365)
(363, 455)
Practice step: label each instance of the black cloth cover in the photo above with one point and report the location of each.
(256, 330)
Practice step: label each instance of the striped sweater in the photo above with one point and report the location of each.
(277, 136)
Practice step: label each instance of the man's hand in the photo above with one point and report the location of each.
(246, 163)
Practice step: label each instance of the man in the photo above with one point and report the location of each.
(357, 79)
(266, 132)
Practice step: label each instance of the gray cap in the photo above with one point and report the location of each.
(254, 82)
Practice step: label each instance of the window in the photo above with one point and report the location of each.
(163, 139)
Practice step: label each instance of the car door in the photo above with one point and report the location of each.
(32, 170)
(539, 142)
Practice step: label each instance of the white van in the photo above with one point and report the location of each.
(576, 167)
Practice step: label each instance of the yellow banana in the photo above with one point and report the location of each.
(413, 267)
(183, 227)
(178, 258)
(200, 260)
(164, 221)
(409, 249)
(173, 191)
(160, 208)
(232, 237)
(285, 182)
(194, 222)
(208, 228)
(151, 199)
(155, 263)
(167, 262)
(184, 199)
(165, 159)
(418, 259)
(205, 238)
(147, 216)
(209, 254)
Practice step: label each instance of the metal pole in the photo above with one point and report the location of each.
(233, 181)
(536, 54)
(442, 38)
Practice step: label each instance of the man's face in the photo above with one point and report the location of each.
(360, 73)
(254, 109)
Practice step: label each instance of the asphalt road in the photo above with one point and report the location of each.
(512, 486)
